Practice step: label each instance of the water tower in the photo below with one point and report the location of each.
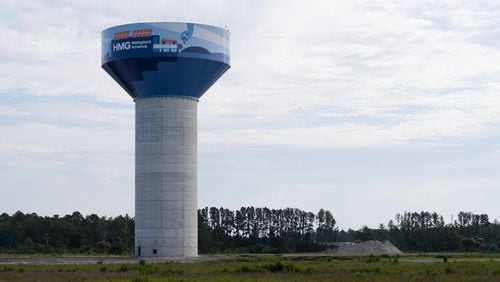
(165, 67)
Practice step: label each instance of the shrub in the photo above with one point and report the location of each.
(372, 259)
(291, 268)
(274, 267)
(140, 279)
(279, 267)
(123, 268)
(245, 268)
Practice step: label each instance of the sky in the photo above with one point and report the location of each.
(364, 108)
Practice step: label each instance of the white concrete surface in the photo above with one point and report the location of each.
(166, 177)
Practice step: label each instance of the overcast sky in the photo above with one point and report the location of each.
(363, 108)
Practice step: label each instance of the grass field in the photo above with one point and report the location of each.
(294, 267)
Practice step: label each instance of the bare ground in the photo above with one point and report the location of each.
(30, 260)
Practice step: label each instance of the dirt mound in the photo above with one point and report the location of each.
(366, 248)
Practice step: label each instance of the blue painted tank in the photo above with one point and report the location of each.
(165, 58)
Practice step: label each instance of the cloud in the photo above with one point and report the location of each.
(345, 59)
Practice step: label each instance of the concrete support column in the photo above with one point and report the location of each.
(166, 220)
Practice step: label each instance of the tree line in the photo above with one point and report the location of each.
(428, 232)
(31, 233)
(264, 230)
(249, 229)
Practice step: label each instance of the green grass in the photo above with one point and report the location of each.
(294, 267)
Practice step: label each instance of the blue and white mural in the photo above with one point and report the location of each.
(160, 58)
